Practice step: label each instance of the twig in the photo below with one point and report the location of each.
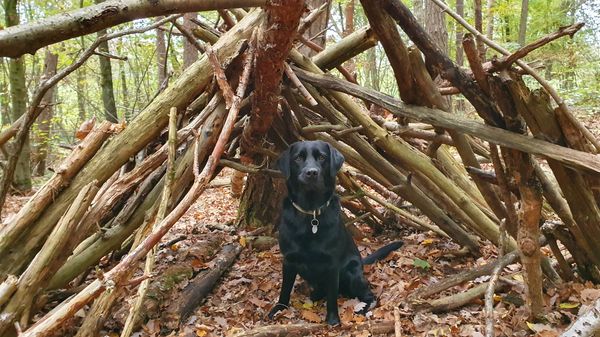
(249, 169)
(110, 56)
(190, 37)
(397, 325)
(561, 103)
(489, 292)
(292, 76)
(35, 109)
(523, 51)
(220, 76)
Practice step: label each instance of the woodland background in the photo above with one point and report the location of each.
(451, 256)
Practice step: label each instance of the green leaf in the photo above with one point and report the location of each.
(421, 264)
(568, 305)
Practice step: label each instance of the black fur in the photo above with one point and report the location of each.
(328, 260)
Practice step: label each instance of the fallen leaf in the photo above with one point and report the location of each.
(568, 305)
(311, 316)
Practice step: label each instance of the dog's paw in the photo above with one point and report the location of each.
(333, 319)
(277, 308)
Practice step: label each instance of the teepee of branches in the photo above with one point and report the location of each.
(494, 178)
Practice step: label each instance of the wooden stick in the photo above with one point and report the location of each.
(290, 74)
(166, 196)
(508, 60)
(489, 292)
(7, 288)
(220, 76)
(302, 329)
(467, 275)
(587, 325)
(397, 326)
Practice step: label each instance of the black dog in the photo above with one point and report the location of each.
(312, 238)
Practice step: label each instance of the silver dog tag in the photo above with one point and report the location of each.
(315, 224)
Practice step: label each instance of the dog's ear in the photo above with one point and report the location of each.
(336, 160)
(283, 163)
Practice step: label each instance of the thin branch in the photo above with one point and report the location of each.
(290, 74)
(221, 77)
(190, 37)
(523, 51)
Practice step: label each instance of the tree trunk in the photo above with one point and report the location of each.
(349, 29)
(460, 10)
(106, 80)
(523, 22)
(190, 53)
(18, 96)
(45, 119)
(161, 56)
(490, 19)
(479, 27)
(260, 204)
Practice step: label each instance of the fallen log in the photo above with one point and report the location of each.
(203, 283)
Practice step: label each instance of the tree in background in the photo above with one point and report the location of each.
(18, 96)
(108, 94)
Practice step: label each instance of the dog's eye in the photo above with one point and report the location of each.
(322, 157)
(298, 159)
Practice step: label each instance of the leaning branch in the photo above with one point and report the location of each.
(18, 40)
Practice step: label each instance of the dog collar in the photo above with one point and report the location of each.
(314, 222)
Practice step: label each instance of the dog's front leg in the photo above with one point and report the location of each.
(289, 276)
(333, 284)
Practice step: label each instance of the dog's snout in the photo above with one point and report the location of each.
(312, 172)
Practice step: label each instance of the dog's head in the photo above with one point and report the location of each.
(310, 165)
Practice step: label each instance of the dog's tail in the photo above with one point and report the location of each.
(382, 252)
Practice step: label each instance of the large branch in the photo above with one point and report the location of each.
(275, 42)
(27, 38)
(437, 117)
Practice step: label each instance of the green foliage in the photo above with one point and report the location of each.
(422, 264)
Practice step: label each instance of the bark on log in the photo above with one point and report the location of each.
(346, 48)
(275, 40)
(18, 40)
(203, 283)
(146, 126)
(499, 136)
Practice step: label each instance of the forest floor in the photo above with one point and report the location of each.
(247, 291)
